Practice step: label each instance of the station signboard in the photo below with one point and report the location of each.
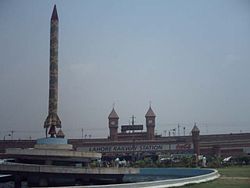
(137, 148)
(125, 128)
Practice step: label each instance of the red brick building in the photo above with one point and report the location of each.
(132, 141)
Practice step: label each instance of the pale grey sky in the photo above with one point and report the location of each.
(190, 58)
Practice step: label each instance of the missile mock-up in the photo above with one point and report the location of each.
(53, 121)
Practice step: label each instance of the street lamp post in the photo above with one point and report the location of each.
(6, 135)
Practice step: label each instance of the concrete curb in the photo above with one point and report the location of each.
(159, 184)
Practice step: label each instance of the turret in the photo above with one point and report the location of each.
(196, 139)
(113, 125)
(150, 123)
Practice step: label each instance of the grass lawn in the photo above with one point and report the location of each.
(231, 177)
(236, 171)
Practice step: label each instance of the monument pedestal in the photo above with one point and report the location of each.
(53, 143)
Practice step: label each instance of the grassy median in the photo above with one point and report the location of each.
(231, 177)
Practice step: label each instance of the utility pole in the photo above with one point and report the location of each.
(12, 132)
(178, 129)
(174, 132)
(82, 133)
(133, 144)
(133, 120)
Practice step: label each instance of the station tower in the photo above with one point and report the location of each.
(113, 125)
(150, 123)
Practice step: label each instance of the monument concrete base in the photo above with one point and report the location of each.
(53, 143)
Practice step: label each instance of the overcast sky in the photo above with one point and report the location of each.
(190, 58)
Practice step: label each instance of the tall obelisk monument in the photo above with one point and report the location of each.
(52, 121)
